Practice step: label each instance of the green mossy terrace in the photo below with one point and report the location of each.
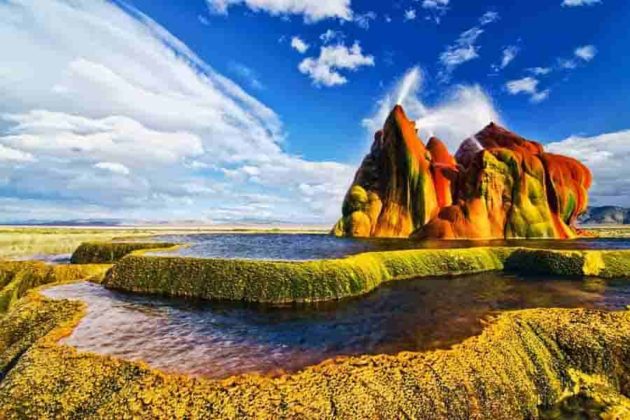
(290, 281)
(320, 280)
(17, 277)
(110, 252)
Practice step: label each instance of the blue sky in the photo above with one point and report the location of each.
(233, 111)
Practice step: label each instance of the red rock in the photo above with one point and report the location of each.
(498, 185)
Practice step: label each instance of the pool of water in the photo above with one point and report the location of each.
(314, 246)
(222, 339)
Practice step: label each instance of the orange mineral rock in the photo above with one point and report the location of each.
(393, 193)
(498, 185)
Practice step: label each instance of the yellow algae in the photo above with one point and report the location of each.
(109, 252)
(523, 361)
(17, 277)
(290, 281)
(332, 279)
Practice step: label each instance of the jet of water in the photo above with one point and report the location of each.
(410, 83)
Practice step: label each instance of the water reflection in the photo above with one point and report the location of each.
(221, 339)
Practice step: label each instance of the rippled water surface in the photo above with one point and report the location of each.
(313, 246)
(219, 339)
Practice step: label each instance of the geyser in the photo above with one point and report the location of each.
(498, 185)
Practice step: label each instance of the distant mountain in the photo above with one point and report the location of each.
(68, 223)
(606, 215)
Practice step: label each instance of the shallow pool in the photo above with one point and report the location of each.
(314, 246)
(222, 339)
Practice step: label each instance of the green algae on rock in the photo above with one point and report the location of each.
(290, 281)
(110, 252)
(281, 282)
(17, 277)
(522, 361)
(29, 320)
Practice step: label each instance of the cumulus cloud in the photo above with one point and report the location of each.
(324, 69)
(464, 48)
(586, 52)
(299, 45)
(410, 14)
(527, 85)
(581, 55)
(312, 10)
(120, 118)
(606, 155)
(462, 112)
(576, 3)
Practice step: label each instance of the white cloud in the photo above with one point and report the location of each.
(575, 3)
(586, 52)
(524, 85)
(453, 57)
(567, 63)
(540, 96)
(312, 10)
(527, 85)
(299, 45)
(435, 4)
(203, 20)
(117, 168)
(461, 113)
(436, 8)
(332, 36)
(582, 54)
(509, 54)
(410, 14)
(464, 49)
(363, 19)
(606, 155)
(107, 86)
(323, 70)
(540, 71)
(8, 154)
(488, 17)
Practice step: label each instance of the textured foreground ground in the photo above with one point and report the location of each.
(524, 359)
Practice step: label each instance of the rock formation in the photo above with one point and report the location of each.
(498, 185)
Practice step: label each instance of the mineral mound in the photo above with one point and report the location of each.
(497, 186)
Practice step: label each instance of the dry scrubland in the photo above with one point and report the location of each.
(609, 231)
(28, 242)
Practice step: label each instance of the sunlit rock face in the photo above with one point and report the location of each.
(393, 193)
(498, 185)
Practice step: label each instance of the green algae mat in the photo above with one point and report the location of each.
(282, 282)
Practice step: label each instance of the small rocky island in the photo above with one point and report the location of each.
(497, 186)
